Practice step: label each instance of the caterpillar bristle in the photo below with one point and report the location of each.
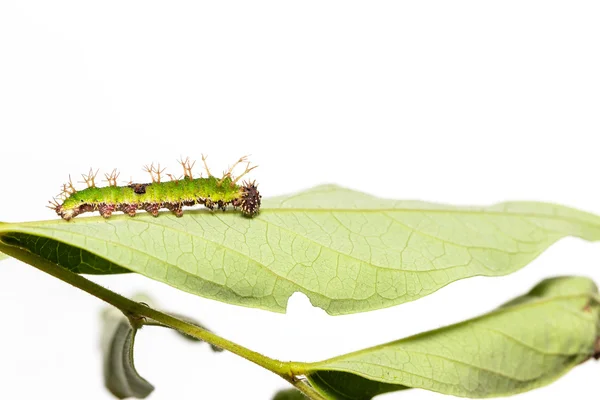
(187, 167)
(90, 178)
(248, 169)
(112, 177)
(206, 165)
(54, 204)
(155, 172)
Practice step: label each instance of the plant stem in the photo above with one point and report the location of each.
(135, 310)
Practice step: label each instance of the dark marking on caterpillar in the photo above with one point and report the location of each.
(139, 188)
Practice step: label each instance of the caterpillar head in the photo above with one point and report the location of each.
(72, 206)
(250, 203)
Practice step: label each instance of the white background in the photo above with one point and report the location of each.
(456, 102)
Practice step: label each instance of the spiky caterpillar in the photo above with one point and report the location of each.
(173, 195)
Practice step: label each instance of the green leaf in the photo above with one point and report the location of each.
(527, 343)
(3, 256)
(120, 375)
(347, 251)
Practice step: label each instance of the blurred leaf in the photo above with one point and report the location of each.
(289, 394)
(3, 256)
(198, 324)
(120, 376)
(118, 339)
(145, 299)
(347, 251)
(527, 343)
(340, 385)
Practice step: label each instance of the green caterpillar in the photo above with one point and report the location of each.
(172, 195)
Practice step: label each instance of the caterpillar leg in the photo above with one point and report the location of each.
(152, 209)
(176, 208)
(178, 211)
(106, 210)
(129, 209)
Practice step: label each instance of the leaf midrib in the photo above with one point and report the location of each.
(267, 210)
(268, 222)
(118, 244)
(332, 367)
(263, 266)
(382, 379)
(481, 212)
(439, 211)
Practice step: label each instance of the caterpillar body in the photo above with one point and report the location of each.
(173, 195)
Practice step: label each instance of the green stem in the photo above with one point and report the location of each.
(136, 310)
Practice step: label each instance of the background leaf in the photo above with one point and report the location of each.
(347, 251)
(198, 324)
(289, 394)
(527, 343)
(146, 299)
(120, 376)
(118, 339)
(340, 385)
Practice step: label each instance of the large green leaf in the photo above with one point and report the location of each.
(525, 344)
(347, 251)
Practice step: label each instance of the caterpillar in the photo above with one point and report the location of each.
(173, 195)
